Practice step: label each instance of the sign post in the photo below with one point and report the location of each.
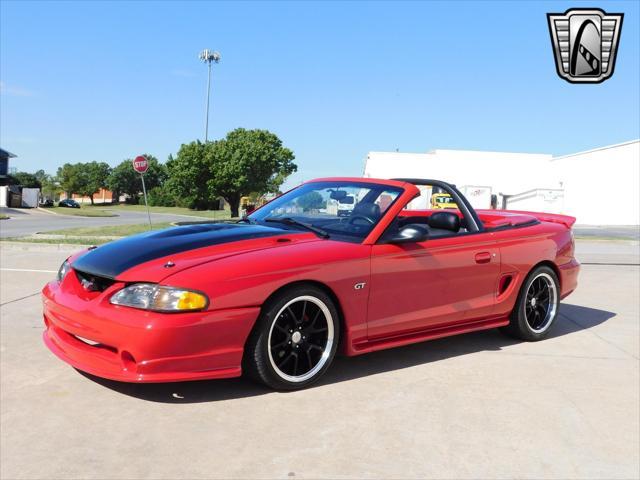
(140, 165)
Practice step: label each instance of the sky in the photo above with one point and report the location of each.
(106, 81)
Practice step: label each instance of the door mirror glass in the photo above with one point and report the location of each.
(409, 234)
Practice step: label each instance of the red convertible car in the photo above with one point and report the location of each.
(279, 293)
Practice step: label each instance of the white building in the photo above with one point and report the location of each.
(598, 187)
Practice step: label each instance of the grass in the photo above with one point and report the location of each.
(111, 210)
(4, 217)
(111, 230)
(84, 211)
(214, 214)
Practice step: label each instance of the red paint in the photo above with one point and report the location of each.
(140, 164)
(413, 292)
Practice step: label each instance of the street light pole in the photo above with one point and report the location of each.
(206, 116)
(209, 57)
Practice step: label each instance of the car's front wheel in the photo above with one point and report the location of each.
(537, 306)
(294, 340)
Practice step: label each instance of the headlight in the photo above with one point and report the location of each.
(148, 296)
(63, 270)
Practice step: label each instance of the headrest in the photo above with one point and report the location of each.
(445, 221)
(369, 210)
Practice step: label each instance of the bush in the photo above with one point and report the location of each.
(162, 197)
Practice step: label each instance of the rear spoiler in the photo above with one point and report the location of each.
(565, 220)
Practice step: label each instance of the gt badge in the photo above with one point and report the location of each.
(359, 286)
(585, 43)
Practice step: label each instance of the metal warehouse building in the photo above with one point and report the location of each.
(598, 187)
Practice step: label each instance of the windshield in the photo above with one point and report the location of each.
(344, 210)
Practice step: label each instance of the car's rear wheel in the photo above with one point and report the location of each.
(537, 306)
(294, 340)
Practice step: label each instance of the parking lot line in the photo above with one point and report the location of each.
(21, 298)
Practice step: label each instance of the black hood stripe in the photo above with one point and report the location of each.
(111, 259)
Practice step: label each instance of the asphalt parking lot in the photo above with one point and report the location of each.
(473, 406)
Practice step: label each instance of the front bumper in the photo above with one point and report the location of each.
(132, 345)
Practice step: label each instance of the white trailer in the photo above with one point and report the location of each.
(549, 200)
(30, 197)
(478, 196)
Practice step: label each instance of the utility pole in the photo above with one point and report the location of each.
(208, 57)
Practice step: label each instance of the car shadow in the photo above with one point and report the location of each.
(573, 318)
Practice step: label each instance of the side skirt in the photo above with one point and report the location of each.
(423, 335)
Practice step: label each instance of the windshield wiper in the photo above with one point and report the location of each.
(291, 221)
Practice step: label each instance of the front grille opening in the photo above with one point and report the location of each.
(94, 283)
(93, 343)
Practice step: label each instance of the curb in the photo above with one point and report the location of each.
(200, 222)
(42, 247)
(47, 211)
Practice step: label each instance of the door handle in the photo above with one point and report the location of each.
(483, 257)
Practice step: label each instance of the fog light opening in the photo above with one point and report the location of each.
(128, 361)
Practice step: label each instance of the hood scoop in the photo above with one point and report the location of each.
(112, 259)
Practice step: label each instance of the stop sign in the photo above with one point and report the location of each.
(140, 164)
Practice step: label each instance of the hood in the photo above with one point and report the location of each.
(113, 259)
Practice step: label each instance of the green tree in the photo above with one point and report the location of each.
(247, 161)
(311, 201)
(243, 163)
(95, 175)
(24, 179)
(72, 178)
(124, 179)
(50, 186)
(188, 174)
(42, 176)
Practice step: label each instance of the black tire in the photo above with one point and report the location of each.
(525, 323)
(285, 348)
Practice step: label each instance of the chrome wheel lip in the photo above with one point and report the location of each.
(327, 349)
(553, 303)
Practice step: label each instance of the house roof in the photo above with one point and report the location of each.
(5, 154)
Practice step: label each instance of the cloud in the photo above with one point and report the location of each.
(182, 73)
(12, 91)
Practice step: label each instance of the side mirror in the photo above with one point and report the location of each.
(409, 234)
